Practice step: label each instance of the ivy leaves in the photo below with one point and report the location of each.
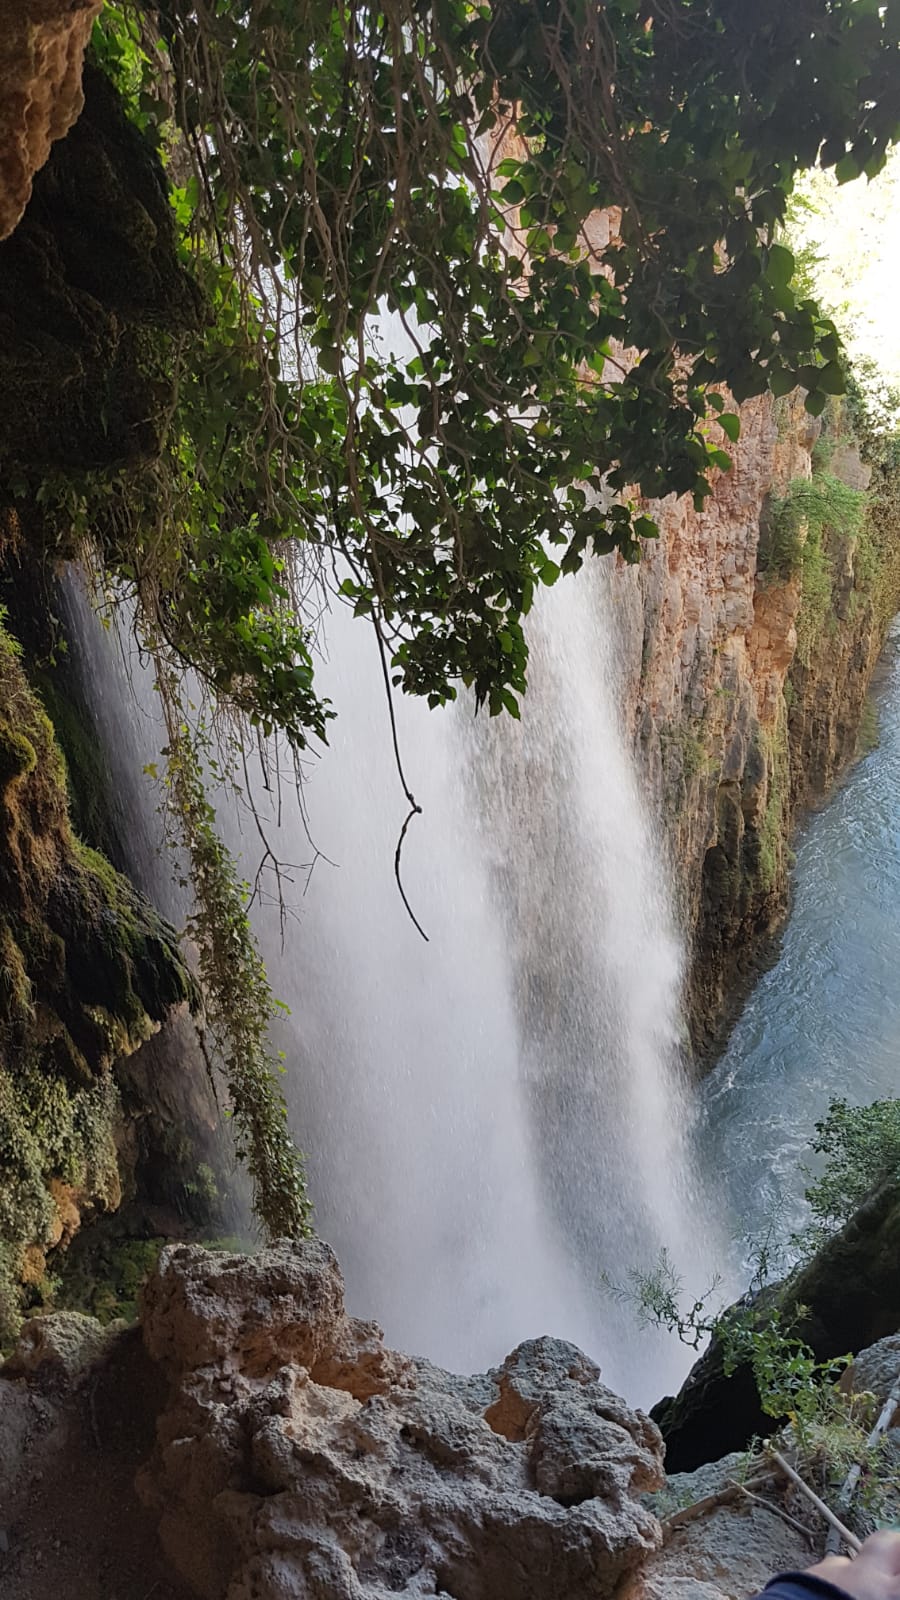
(476, 274)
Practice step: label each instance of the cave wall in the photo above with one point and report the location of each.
(105, 1100)
(42, 44)
(745, 692)
(88, 972)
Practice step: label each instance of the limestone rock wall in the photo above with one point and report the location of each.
(297, 1456)
(735, 733)
(42, 44)
(88, 971)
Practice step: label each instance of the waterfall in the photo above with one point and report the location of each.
(495, 1118)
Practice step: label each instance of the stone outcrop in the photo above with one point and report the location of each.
(298, 1456)
(736, 729)
(729, 1552)
(88, 972)
(844, 1299)
(87, 278)
(876, 1371)
(42, 44)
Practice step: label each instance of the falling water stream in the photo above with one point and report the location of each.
(494, 1119)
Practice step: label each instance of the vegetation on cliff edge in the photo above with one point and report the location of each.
(87, 970)
(400, 378)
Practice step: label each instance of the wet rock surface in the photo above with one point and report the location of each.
(78, 1405)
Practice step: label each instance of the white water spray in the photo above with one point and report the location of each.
(495, 1118)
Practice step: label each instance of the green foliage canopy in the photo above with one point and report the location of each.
(384, 382)
(861, 1147)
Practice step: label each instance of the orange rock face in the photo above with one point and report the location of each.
(42, 44)
(734, 730)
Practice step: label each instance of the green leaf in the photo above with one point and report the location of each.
(781, 382)
(831, 378)
(780, 267)
(730, 423)
(847, 169)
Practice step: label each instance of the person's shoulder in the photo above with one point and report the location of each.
(801, 1586)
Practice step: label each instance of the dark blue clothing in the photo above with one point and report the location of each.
(801, 1586)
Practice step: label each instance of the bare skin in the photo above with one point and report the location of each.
(874, 1574)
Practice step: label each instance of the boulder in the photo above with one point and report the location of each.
(60, 1350)
(728, 1552)
(299, 1457)
(875, 1370)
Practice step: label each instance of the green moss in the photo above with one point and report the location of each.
(685, 753)
(128, 965)
(773, 829)
(816, 588)
(88, 782)
(87, 969)
(102, 1274)
(16, 998)
(17, 755)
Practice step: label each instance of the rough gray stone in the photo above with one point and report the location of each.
(59, 1350)
(875, 1369)
(685, 1488)
(290, 1468)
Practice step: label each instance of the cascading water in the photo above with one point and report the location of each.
(495, 1118)
(598, 960)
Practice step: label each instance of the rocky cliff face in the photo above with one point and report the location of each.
(746, 674)
(87, 973)
(42, 45)
(104, 1097)
(282, 1452)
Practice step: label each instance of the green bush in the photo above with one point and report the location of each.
(799, 521)
(861, 1146)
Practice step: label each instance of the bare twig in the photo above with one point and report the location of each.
(709, 1502)
(849, 1485)
(825, 1511)
(415, 810)
(777, 1511)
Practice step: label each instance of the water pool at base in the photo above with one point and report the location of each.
(824, 1021)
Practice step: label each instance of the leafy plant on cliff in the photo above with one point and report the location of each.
(861, 1150)
(861, 1147)
(797, 520)
(792, 1385)
(383, 380)
(238, 1001)
(800, 526)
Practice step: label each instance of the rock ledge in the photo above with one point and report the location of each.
(299, 1459)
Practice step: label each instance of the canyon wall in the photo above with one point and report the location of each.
(42, 44)
(749, 634)
(105, 1101)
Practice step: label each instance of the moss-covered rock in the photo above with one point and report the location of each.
(841, 1301)
(88, 970)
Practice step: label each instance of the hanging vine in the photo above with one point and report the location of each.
(238, 1001)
